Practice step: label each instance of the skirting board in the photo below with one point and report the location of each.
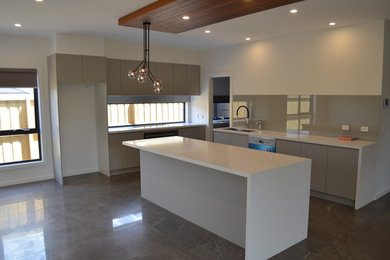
(332, 198)
(24, 181)
(73, 173)
(382, 192)
(134, 170)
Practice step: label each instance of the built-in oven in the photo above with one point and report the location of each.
(262, 143)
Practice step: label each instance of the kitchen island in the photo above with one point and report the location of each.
(257, 200)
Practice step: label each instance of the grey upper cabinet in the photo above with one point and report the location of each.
(318, 154)
(113, 77)
(94, 69)
(69, 68)
(193, 80)
(179, 79)
(342, 172)
(80, 69)
(288, 147)
(128, 86)
(193, 132)
(164, 72)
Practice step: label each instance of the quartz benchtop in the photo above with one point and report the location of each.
(148, 128)
(233, 159)
(305, 138)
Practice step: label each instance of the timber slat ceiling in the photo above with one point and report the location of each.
(166, 15)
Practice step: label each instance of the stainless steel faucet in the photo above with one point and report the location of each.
(247, 115)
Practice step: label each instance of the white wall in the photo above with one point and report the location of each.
(77, 110)
(77, 44)
(383, 162)
(29, 52)
(337, 61)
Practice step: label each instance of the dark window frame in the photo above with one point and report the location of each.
(36, 130)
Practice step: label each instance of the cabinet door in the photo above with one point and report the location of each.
(318, 155)
(193, 80)
(288, 147)
(239, 140)
(193, 132)
(164, 72)
(222, 138)
(132, 153)
(118, 153)
(179, 79)
(146, 89)
(128, 86)
(94, 69)
(113, 77)
(342, 172)
(69, 68)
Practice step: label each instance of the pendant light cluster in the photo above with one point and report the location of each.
(142, 71)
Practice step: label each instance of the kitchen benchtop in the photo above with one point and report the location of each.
(148, 128)
(305, 138)
(232, 159)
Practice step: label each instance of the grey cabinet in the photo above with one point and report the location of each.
(128, 86)
(94, 69)
(193, 132)
(164, 72)
(179, 79)
(288, 147)
(342, 169)
(69, 68)
(113, 77)
(232, 139)
(80, 69)
(123, 157)
(318, 154)
(193, 80)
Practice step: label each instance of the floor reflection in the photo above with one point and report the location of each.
(24, 245)
(128, 219)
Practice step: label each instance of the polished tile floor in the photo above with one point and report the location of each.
(94, 217)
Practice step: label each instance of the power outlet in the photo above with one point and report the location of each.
(345, 127)
(364, 129)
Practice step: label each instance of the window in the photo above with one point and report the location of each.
(19, 116)
(299, 112)
(145, 114)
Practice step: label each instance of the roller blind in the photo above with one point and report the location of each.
(20, 78)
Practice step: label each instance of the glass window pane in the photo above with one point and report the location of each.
(305, 106)
(17, 148)
(17, 108)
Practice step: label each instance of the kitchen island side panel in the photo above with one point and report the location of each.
(277, 210)
(212, 199)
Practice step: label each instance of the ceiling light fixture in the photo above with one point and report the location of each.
(186, 17)
(207, 31)
(247, 38)
(39, 1)
(17, 25)
(142, 71)
(293, 11)
(332, 23)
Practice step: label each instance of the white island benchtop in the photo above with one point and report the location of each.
(255, 199)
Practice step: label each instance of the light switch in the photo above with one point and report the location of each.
(364, 129)
(345, 127)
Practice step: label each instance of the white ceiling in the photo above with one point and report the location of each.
(100, 18)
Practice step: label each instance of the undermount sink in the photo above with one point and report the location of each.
(239, 129)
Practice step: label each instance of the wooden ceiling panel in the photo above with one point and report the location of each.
(166, 15)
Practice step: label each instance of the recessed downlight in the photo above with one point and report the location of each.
(207, 31)
(247, 38)
(293, 11)
(186, 17)
(18, 25)
(39, 1)
(332, 23)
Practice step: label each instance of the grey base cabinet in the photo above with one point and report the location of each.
(342, 172)
(231, 139)
(334, 169)
(123, 157)
(193, 132)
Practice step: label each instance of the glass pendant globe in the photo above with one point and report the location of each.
(141, 79)
(157, 90)
(157, 83)
(143, 70)
(132, 74)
